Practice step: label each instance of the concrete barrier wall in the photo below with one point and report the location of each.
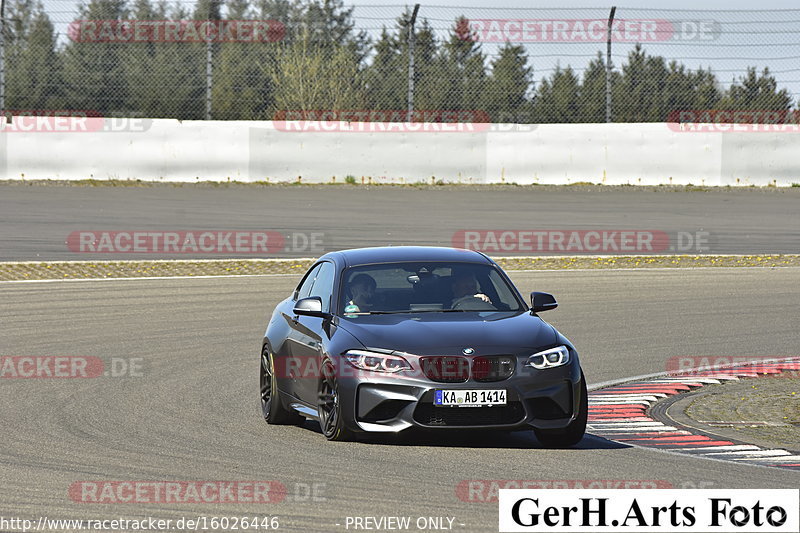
(612, 154)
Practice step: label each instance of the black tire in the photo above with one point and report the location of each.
(272, 408)
(329, 406)
(573, 433)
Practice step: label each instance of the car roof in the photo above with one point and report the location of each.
(391, 254)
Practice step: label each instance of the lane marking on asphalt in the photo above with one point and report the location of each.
(619, 411)
(214, 276)
(753, 453)
(499, 258)
(149, 278)
(657, 269)
(733, 448)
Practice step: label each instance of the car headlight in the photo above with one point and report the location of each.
(376, 362)
(553, 357)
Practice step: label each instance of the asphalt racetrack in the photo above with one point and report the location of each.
(191, 411)
(36, 221)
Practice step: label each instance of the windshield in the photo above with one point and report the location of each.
(425, 287)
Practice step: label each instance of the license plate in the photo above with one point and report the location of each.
(469, 398)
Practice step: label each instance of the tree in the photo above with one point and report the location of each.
(593, 91)
(145, 71)
(322, 61)
(173, 82)
(707, 94)
(506, 97)
(463, 69)
(208, 10)
(430, 87)
(145, 10)
(756, 92)
(329, 25)
(94, 72)
(557, 98)
(239, 10)
(386, 78)
(34, 73)
(19, 18)
(284, 11)
(241, 89)
(639, 97)
(307, 78)
(319, 65)
(687, 90)
(387, 75)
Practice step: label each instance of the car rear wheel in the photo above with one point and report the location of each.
(329, 406)
(573, 433)
(271, 406)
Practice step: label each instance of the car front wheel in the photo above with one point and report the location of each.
(330, 406)
(573, 433)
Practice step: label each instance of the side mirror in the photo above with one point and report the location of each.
(542, 301)
(311, 306)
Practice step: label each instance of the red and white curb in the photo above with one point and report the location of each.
(621, 413)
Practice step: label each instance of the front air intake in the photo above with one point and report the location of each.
(445, 368)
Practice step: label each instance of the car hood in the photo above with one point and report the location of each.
(450, 333)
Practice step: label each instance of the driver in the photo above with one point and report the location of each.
(362, 292)
(465, 286)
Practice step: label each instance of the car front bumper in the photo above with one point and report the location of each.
(544, 399)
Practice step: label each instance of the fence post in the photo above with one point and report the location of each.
(209, 77)
(412, 37)
(3, 56)
(608, 63)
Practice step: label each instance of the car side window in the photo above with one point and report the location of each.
(304, 289)
(323, 286)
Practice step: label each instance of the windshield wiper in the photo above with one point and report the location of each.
(408, 311)
(441, 311)
(376, 313)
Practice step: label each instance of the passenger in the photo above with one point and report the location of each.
(362, 292)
